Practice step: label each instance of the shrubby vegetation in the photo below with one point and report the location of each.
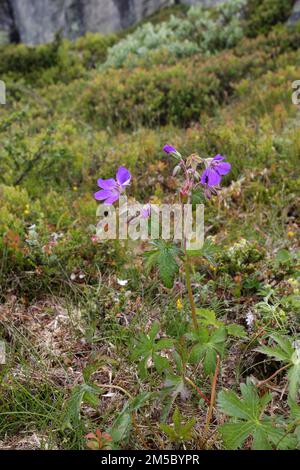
(201, 31)
(83, 319)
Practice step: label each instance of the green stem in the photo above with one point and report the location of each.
(190, 293)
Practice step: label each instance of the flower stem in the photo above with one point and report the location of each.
(190, 293)
(197, 389)
(213, 394)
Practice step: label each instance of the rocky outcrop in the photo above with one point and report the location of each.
(8, 30)
(37, 21)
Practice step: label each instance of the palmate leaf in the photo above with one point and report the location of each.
(179, 432)
(209, 344)
(208, 251)
(234, 434)
(208, 317)
(147, 347)
(285, 352)
(174, 386)
(164, 258)
(249, 420)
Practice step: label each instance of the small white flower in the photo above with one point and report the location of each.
(250, 319)
(122, 282)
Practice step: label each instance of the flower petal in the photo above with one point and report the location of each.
(218, 158)
(110, 200)
(210, 177)
(223, 168)
(103, 194)
(169, 149)
(146, 211)
(123, 176)
(110, 183)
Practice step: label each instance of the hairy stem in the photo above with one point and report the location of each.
(197, 389)
(213, 395)
(190, 294)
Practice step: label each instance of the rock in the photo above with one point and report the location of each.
(8, 30)
(37, 21)
(295, 16)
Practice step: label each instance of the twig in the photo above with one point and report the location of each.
(262, 382)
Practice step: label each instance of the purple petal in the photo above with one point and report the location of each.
(110, 183)
(223, 168)
(218, 158)
(104, 194)
(146, 211)
(110, 200)
(169, 149)
(210, 177)
(123, 176)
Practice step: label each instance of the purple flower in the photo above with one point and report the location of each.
(169, 149)
(112, 188)
(215, 169)
(146, 211)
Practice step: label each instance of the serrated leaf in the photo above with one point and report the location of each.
(208, 251)
(210, 361)
(164, 343)
(164, 257)
(237, 331)
(208, 317)
(284, 351)
(249, 412)
(234, 434)
(231, 404)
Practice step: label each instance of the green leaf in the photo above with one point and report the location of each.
(146, 348)
(248, 413)
(164, 257)
(210, 361)
(236, 330)
(232, 405)
(208, 317)
(285, 352)
(121, 427)
(260, 439)
(234, 434)
(165, 343)
(208, 251)
(179, 432)
(80, 393)
(294, 381)
(161, 363)
(209, 344)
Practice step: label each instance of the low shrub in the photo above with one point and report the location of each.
(262, 15)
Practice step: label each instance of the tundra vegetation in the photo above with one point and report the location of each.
(137, 345)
